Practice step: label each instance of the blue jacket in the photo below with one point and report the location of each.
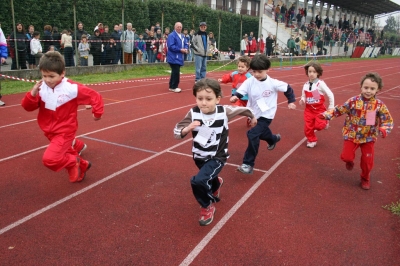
(176, 42)
(3, 45)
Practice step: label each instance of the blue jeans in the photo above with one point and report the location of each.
(200, 63)
(260, 132)
(151, 57)
(189, 55)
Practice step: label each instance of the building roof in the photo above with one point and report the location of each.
(367, 7)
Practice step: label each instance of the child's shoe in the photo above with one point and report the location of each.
(206, 215)
(365, 184)
(218, 191)
(245, 169)
(271, 147)
(84, 167)
(311, 144)
(75, 171)
(79, 146)
(349, 166)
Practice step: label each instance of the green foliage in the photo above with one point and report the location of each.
(391, 25)
(227, 27)
(394, 207)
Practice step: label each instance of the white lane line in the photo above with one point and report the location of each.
(117, 144)
(32, 215)
(203, 243)
(99, 130)
(231, 164)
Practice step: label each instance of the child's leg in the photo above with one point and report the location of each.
(60, 154)
(260, 131)
(206, 182)
(320, 124)
(349, 153)
(367, 159)
(309, 124)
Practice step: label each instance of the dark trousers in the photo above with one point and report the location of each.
(260, 132)
(21, 60)
(269, 51)
(206, 182)
(175, 75)
(69, 57)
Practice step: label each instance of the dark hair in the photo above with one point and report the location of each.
(260, 62)
(316, 66)
(35, 33)
(52, 61)
(19, 23)
(374, 77)
(245, 59)
(205, 84)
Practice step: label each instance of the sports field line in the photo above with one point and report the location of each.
(231, 164)
(160, 94)
(73, 195)
(335, 68)
(203, 243)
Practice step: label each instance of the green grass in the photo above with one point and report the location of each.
(146, 71)
(394, 207)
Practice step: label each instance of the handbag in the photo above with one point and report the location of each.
(159, 56)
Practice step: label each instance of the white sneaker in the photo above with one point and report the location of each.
(175, 90)
(311, 144)
(2, 103)
(245, 169)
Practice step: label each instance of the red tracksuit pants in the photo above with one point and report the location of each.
(312, 122)
(60, 154)
(367, 156)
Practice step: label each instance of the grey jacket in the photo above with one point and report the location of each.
(198, 46)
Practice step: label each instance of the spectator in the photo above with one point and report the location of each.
(117, 37)
(200, 42)
(175, 55)
(261, 44)
(151, 48)
(269, 43)
(141, 48)
(47, 38)
(56, 39)
(95, 47)
(128, 45)
(29, 55)
(188, 40)
(84, 49)
(243, 45)
(66, 42)
(110, 51)
(36, 47)
(19, 45)
(77, 37)
(3, 54)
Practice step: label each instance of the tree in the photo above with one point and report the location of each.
(391, 25)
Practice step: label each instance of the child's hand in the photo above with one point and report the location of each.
(301, 102)
(292, 106)
(321, 116)
(234, 99)
(190, 127)
(96, 118)
(382, 132)
(219, 80)
(253, 122)
(35, 90)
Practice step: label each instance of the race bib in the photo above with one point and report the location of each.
(370, 117)
(262, 105)
(203, 135)
(316, 95)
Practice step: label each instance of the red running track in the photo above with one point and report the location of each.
(301, 206)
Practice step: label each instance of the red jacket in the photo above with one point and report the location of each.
(237, 79)
(58, 107)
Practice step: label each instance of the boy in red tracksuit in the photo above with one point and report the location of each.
(366, 118)
(237, 78)
(57, 99)
(313, 95)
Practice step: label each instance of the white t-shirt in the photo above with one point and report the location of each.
(263, 95)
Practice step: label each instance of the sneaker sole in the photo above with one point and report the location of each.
(219, 189)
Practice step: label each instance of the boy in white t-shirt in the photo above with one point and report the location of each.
(262, 92)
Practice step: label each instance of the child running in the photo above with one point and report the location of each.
(57, 99)
(208, 122)
(313, 95)
(366, 117)
(237, 78)
(262, 92)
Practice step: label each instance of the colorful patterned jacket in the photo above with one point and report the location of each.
(356, 127)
